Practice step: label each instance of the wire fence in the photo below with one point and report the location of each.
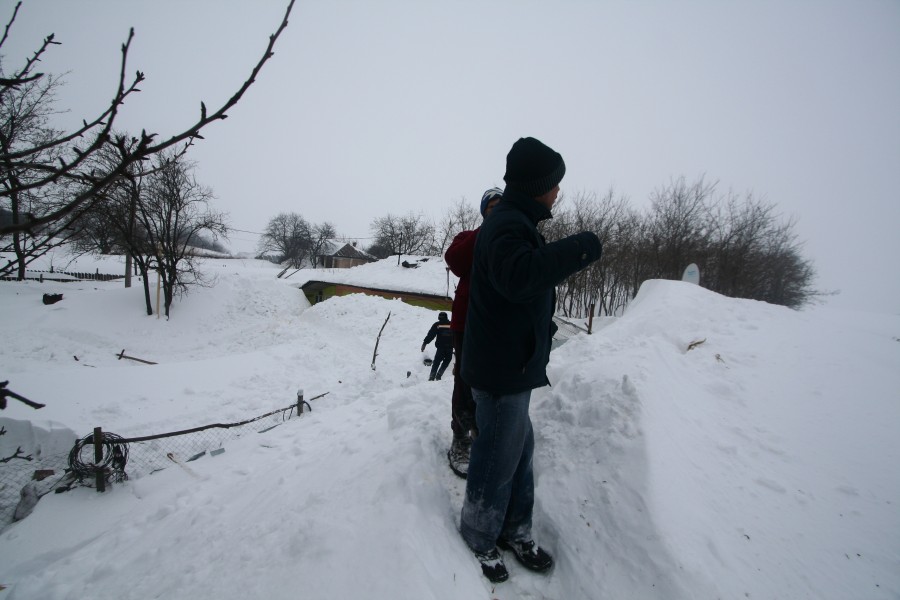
(566, 330)
(102, 458)
(25, 476)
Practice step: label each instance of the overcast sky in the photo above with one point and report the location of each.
(391, 106)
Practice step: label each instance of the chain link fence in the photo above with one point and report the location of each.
(101, 458)
(27, 475)
(566, 331)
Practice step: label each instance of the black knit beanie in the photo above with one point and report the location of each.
(533, 168)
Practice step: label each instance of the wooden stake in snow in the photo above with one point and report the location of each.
(122, 355)
(694, 344)
(98, 460)
(378, 339)
(591, 319)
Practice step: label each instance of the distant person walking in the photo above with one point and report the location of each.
(506, 348)
(443, 343)
(462, 408)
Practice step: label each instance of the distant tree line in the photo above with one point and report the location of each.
(743, 247)
(295, 242)
(413, 233)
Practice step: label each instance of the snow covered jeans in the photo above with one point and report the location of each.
(462, 407)
(500, 484)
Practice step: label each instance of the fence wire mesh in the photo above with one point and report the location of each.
(152, 453)
(27, 474)
(566, 330)
(24, 478)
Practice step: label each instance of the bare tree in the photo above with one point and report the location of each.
(738, 235)
(379, 249)
(739, 243)
(173, 212)
(630, 260)
(791, 275)
(111, 224)
(287, 235)
(25, 110)
(294, 239)
(65, 157)
(752, 253)
(321, 235)
(612, 221)
(595, 285)
(411, 234)
(461, 216)
(107, 226)
(678, 226)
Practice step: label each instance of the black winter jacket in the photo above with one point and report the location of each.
(512, 297)
(441, 331)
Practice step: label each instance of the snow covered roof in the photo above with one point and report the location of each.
(344, 250)
(424, 275)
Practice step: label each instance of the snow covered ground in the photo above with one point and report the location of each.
(761, 463)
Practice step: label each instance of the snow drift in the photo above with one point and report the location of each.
(696, 447)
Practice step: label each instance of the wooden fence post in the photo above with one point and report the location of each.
(98, 458)
(591, 319)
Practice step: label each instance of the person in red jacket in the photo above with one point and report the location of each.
(459, 258)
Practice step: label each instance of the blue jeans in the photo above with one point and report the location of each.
(500, 484)
(441, 359)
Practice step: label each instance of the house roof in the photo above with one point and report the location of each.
(344, 250)
(311, 288)
(430, 277)
(316, 286)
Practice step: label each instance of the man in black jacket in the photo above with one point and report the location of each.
(444, 344)
(506, 349)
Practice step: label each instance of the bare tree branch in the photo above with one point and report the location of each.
(135, 153)
(378, 339)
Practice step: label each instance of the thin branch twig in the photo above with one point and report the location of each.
(378, 339)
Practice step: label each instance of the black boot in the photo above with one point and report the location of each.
(529, 554)
(492, 565)
(458, 455)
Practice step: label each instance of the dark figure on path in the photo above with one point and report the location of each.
(444, 345)
(462, 408)
(506, 349)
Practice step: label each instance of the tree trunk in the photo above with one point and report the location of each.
(170, 280)
(17, 237)
(145, 276)
(20, 256)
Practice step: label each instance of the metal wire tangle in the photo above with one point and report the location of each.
(115, 455)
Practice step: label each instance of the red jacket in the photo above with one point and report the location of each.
(459, 258)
